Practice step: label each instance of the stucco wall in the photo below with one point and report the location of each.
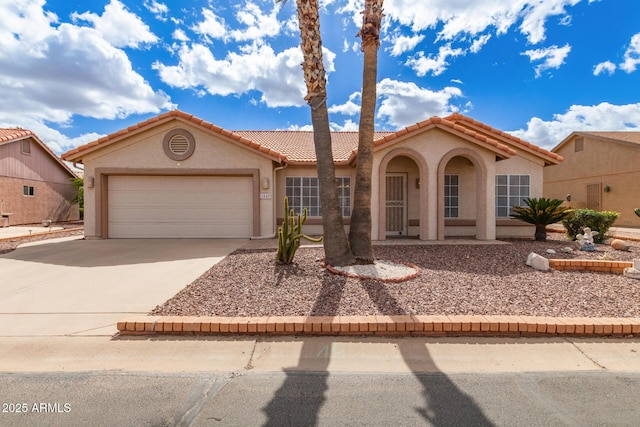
(145, 151)
(609, 164)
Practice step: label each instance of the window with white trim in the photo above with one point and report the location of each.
(304, 192)
(511, 190)
(27, 190)
(451, 196)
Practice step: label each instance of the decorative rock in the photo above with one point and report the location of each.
(566, 250)
(551, 251)
(538, 262)
(633, 272)
(619, 245)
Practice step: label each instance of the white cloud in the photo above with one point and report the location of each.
(601, 117)
(213, 26)
(278, 76)
(252, 24)
(402, 44)
(64, 71)
(349, 108)
(536, 14)
(405, 103)
(258, 25)
(478, 43)
(473, 17)
(118, 26)
(347, 126)
(435, 65)
(551, 57)
(632, 55)
(604, 67)
(180, 35)
(160, 10)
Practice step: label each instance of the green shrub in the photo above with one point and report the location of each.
(541, 212)
(595, 220)
(637, 211)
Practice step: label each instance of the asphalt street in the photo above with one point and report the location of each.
(317, 398)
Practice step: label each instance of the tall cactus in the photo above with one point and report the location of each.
(290, 233)
(637, 211)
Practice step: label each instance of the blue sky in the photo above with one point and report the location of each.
(73, 71)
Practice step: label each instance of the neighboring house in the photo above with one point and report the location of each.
(176, 175)
(35, 184)
(601, 171)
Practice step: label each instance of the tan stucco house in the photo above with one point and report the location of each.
(601, 171)
(35, 184)
(176, 175)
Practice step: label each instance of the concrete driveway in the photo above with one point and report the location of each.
(83, 287)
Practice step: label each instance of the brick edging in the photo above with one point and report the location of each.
(410, 325)
(602, 266)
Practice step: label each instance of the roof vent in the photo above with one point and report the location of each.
(179, 144)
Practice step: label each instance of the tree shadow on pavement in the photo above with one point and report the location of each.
(300, 397)
(445, 403)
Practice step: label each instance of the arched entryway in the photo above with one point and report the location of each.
(462, 196)
(402, 203)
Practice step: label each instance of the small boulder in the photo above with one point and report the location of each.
(566, 250)
(538, 262)
(551, 251)
(619, 245)
(631, 273)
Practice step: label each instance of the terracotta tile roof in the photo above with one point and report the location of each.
(11, 134)
(450, 125)
(175, 114)
(518, 143)
(298, 146)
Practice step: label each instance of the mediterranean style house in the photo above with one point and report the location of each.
(601, 171)
(176, 175)
(35, 184)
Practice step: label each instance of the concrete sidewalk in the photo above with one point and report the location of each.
(316, 354)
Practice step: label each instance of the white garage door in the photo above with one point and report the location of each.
(180, 206)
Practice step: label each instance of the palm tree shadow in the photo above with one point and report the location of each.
(445, 403)
(300, 397)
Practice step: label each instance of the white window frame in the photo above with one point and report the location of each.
(452, 196)
(28, 191)
(304, 192)
(511, 190)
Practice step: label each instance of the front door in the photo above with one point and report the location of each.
(396, 204)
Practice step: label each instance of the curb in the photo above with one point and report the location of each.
(42, 233)
(406, 325)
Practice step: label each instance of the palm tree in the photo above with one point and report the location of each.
(360, 229)
(336, 245)
(541, 212)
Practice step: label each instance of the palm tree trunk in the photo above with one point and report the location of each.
(336, 245)
(360, 229)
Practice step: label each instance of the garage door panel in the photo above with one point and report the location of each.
(180, 206)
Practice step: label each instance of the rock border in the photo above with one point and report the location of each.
(401, 277)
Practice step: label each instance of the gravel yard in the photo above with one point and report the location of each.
(454, 279)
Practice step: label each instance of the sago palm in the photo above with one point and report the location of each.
(541, 212)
